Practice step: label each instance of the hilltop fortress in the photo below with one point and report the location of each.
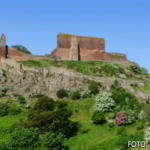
(69, 47)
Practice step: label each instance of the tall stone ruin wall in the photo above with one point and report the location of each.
(70, 47)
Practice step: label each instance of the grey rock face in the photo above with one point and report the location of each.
(121, 75)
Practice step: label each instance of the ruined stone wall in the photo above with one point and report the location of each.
(2, 51)
(118, 58)
(91, 48)
(2, 46)
(63, 47)
(70, 47)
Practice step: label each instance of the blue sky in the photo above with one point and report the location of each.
(124, 24)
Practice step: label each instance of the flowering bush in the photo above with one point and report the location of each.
(131, 116)
(147, 134)
(121, 117)
(141, 115)
(104, 102)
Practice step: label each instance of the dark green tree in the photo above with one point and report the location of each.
(21, 48)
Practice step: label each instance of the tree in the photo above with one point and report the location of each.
(104, 102)
(45, 116)
(98, 117)
(21, 48)
(28, 139)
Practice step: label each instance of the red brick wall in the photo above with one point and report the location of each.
(14, 52)
(91, 48)
(2, 51)
(63, 47)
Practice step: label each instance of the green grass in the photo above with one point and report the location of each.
(8, 120)
(85, 67)
(82, 141)
(144, 89)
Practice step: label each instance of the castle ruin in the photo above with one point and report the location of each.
(69, 47)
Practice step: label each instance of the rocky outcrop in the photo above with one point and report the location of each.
(50, 79)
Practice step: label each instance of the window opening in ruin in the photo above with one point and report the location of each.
(6, 55)
(78, 52)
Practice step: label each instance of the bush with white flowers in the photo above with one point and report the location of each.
(141, 115)
(104, 102)
(147, 134)
(131, 116)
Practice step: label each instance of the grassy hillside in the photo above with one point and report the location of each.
(82, 111)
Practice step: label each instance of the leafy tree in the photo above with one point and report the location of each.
(21, 48)
(120, 98)
(62, 93)
(104, 102)
(98, 117)
(53, 141)
(43, 116)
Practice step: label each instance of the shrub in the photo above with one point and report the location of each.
(121, 118)
(75, 95)
(121, 70)
(116, 85)
(130, 116)
(110, 123)
(9, 101)
(21, 99)
(134, 85)
(3, 110)
(62, 93)
(147, 134)
(98, 117)
(120, 98)
(121, 130)
(93, 87)
(19, 124)
(135, 69)
(139, 127)
(15, 95)
(39, 94)
(85, 95)
(4, 89)
(14, 111)
(141, 115)
(2, 94)
(27, 106)
(144, 70)
(104, 102)
(21, 48)
(61, 104)
(83, 129)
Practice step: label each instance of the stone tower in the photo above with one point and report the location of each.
(2, 40)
